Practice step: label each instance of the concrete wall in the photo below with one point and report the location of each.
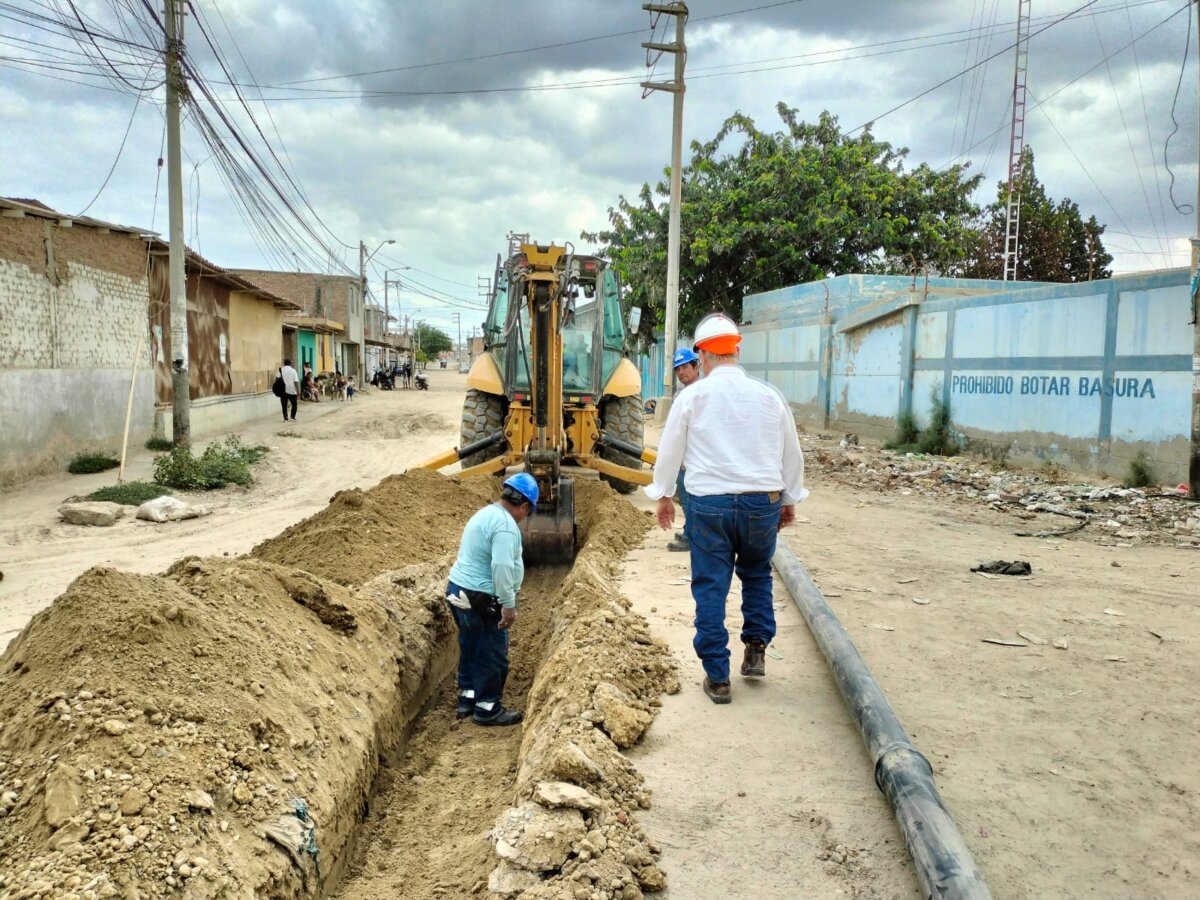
(214, 415)
(1089, 375)
(47, 416)
(73, 305)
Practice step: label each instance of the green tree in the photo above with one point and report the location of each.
(433, 340)
(784, 207)
(1056, 242)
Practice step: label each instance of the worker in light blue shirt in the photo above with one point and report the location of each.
(482, 595)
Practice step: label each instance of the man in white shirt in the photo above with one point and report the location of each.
(736, 436)
(291, 389)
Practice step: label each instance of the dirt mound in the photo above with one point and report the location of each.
(418, 515)
(596, 692)
(154, 729)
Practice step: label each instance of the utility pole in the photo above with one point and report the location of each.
(458, 348)
(1194, 462)
(362, 296)
(676, 87)
(181, 401)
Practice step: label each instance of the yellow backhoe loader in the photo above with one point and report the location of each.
(554, 388)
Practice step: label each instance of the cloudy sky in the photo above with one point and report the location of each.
(443, 126)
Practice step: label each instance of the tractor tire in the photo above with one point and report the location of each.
(622, 418)
(483, 416)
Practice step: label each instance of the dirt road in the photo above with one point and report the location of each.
(332, 446)
(1069, 771)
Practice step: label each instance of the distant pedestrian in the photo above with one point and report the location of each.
(482, 594)
(745, 474)
(349, 388)
(687, 369)
(291, 389)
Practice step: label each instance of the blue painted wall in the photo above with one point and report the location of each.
(1089, 374)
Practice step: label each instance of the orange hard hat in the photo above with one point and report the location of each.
(718, 334)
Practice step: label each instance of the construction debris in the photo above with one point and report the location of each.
(1116, 515)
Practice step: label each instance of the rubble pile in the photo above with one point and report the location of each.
(1101, 512)
(572, 832)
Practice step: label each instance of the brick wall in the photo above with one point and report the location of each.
(72, 297)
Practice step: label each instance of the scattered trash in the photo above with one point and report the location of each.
(907, 580)
(771, 653)
(880, 627)
(1162, 515)
(1113, 612)
(1073, 693)
(1059, 643)
(1032, 638)
(1115, 659)
(921, 601)
(1004, 567)
(1004, 642)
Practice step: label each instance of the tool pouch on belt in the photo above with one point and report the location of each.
(485, 606)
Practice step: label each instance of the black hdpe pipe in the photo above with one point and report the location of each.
(944, 865)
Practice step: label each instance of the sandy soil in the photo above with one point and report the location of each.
(1069, 771)
(332, 446)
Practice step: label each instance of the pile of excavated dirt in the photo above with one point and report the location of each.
(154, 729)
(572, 831)
(419, 515)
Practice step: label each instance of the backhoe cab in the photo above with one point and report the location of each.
(553, 388)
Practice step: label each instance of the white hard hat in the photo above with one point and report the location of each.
(718, 334)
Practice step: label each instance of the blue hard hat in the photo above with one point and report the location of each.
(525, 485)
(683, 356)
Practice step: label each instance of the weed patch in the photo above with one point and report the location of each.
(87, 463)
(220, 464)
(159, 444)
(1141, 473)
(131, 493)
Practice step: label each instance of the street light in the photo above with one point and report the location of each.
(363, 259)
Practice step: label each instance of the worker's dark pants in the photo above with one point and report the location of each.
(731, 533)
(289, 400)
(482, 652)
(684, 497)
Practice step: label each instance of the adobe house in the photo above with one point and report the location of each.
(84, 316)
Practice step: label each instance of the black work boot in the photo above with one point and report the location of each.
(754, 662)
(466, 706)
(718, 691)
(497, 716)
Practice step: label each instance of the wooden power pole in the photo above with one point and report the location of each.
(1194, 462)
(676, 87)
(181, 402)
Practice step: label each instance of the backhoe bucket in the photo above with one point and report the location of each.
(549, 533)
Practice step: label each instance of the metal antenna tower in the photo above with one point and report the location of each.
(1016, 144)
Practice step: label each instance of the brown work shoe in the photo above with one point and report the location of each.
(718, 691)
(754, 663)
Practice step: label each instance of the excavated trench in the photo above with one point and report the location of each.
(283, 724)
(424, 832)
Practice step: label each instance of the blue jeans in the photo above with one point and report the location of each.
(684, 499)
(482, 652)
(731, 533)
